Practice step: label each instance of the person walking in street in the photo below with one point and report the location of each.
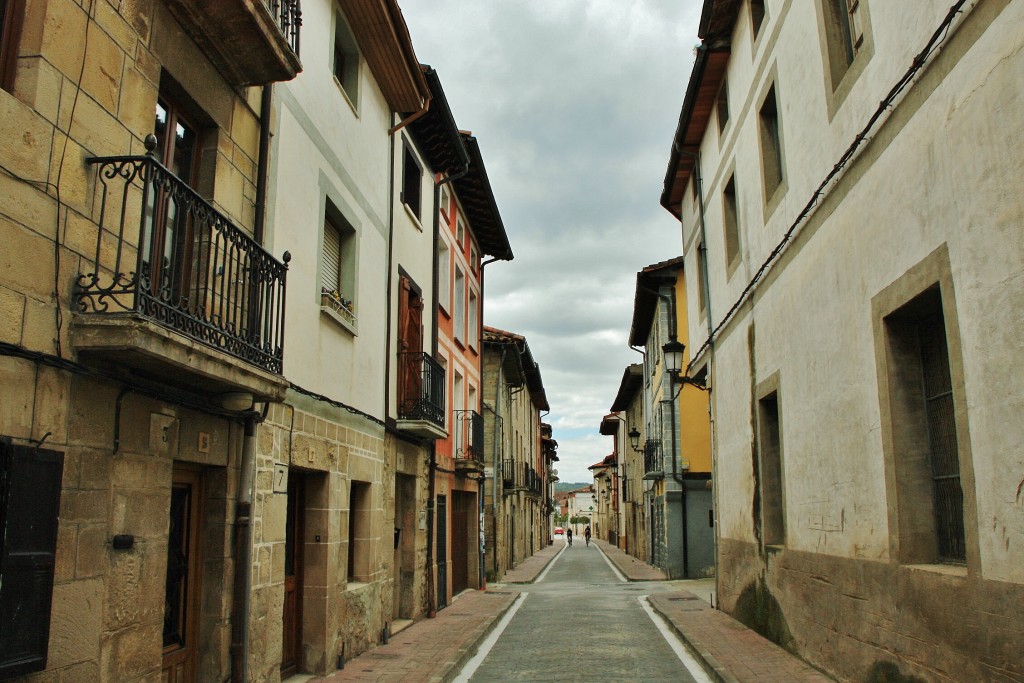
(586, 535)
(568, 536)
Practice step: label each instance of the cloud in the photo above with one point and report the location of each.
(574, 104)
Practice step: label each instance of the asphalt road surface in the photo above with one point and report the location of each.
(581, 622)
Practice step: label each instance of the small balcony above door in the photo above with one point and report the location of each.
(420, 396)
(469, 441)
(175, 292)
(251, 42)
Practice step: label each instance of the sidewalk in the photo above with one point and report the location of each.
(729, 651)
(431, 649)
(632, 568)
(529, 569)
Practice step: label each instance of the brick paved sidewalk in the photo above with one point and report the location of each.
(731, 652)
(632, 568)
(529, 569)
(431, 649)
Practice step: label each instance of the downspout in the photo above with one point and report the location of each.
(263, 163)
(391, 256)
(497, 450)
(482, 482)
(243, 548)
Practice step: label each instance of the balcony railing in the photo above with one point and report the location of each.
(508, 474)
(421, 388)
(469, 435)
(654, 464)
(289, 19)
(165, 254)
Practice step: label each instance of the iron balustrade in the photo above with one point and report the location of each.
(469, 435)
(421, 388)
(508, 474)
(288, 14)
(164, 253)
(653, 461)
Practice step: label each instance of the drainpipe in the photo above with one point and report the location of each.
(243, 559)
(481, 486)
(497, 449)
(262, 163)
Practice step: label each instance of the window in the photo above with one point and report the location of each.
(338, 266)
(723, 105)
(444, 275)
(474, 316)
(460, 232)
(756, 16)
(346, 59)
(927, 461)
(30, 487)
(460, 305)
(12, 14)
(843, 35)
(474, 259)
(446, 200)
(731, 220)
(359, 529)
(771, 144)
(769, 455)
(412, 181)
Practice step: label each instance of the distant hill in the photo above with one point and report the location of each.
(563, 486)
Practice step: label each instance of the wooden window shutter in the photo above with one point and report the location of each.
(30, 486)
(331, 277)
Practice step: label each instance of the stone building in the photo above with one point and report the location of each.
(847, 179)
(140, 322)
(515, 512)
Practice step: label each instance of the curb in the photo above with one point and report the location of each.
(712, 667)
(468, 651)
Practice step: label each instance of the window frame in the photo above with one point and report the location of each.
(12, 19)
(771, 474)
(731, 225)
(774, 179)
(344, 308)
(912, 535)
(459, 314)
(843, 57)
(444, 276)
(411, 194)
(344, 43)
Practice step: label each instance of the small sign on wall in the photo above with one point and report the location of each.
(280, 478)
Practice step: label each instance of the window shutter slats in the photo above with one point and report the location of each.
(331, 277)
(29, 505)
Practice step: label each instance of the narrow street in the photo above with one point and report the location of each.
(561, 629)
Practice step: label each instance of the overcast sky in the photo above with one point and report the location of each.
(574, 104)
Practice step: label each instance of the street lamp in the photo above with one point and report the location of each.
(634, 439)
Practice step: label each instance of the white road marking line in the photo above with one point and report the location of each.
(485, 648)
(620, 575)
(550, 565)
(691, 664)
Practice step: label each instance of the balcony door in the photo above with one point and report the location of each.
(168, 246)
(291, 646)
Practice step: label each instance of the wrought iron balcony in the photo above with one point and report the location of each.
(508, 474)
(654, 463)
(172, 276)
(251, 42)
(469, 439)
(532, 481)
(421, 395)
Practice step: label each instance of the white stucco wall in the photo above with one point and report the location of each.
(944, 169)
(326, 148)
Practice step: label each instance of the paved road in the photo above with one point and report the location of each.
(580, 622)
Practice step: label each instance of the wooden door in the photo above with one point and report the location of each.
(460, 542)
(181, 595)
(410, 341)
(291, 645)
